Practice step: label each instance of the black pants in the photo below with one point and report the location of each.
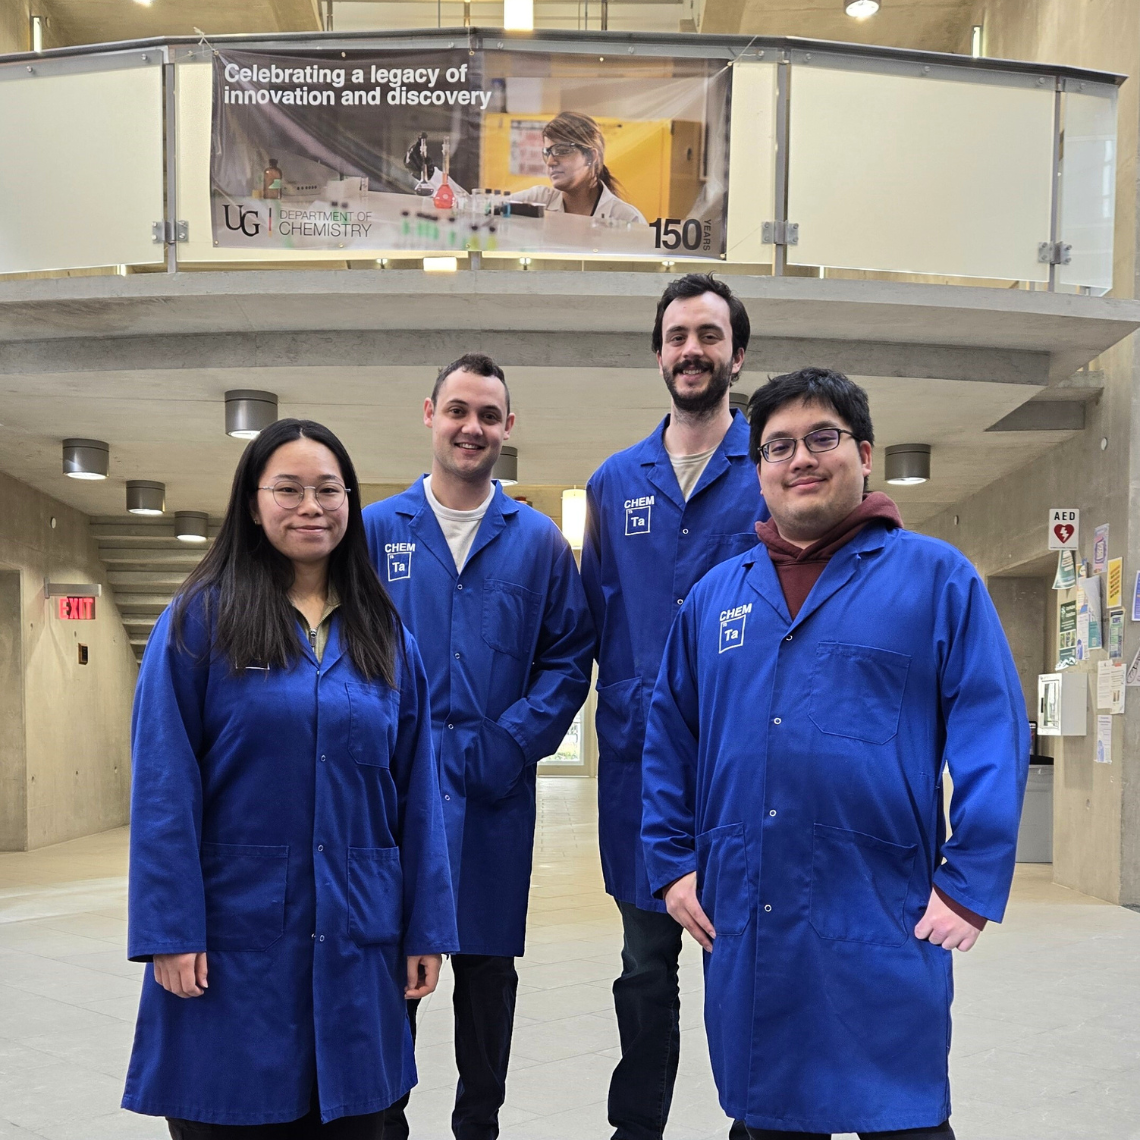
(942, 1132)
(484, 1001)
(308, 1127)
(647, 1001)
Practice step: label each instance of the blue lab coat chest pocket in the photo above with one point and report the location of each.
(375, 895)
(372, 715)
(621, 719)
(859, 887)
(245, 895)
(510, 616)
(857, 691)
(722, 879)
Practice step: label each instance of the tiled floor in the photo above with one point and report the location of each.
(1047, 1019)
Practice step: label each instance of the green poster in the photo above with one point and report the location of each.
(1067, 635)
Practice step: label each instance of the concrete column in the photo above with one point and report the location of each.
(13, 754)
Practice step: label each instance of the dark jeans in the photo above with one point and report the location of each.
(308, 1127)
(647, 1001)
(484, 1002)
(942, 1132)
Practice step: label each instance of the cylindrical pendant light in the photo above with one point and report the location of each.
(191, 526)
(574, 516)
(860, 9)
(249, 412)
(145, 497)
(506, 468)
(908, 463)
(86, 458)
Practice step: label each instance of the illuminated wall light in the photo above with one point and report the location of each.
(908, 464)
(976, 41)
(249, 412)
(506, 468)
(518, 15)
(441, 264)
(37, 33)
(524, 262)
(145, 497)
(860, 9)
(191, 526)
(574, 516)
(86, 458)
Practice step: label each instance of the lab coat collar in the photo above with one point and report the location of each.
(425, 525)
(762, 577)
(334, 648)
(662, 476)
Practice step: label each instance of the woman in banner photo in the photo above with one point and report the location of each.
(575, 156)
(289, 882)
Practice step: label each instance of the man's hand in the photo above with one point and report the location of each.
(941, 926)
(681, 903)
(184, 975)
(423, 974)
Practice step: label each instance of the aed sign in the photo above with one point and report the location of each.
(77, 609)
(1064, 529)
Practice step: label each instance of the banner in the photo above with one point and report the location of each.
(429, 151)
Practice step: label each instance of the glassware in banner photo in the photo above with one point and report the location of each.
(445, 197)
(424, 187)
(271, 181)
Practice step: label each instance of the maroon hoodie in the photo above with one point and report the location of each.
(798, 569)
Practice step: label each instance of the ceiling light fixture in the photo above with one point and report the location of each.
(908, 464)
(191, 526)
(145, 497)
(441, 264)
(860, 9)
(518, 15)
(506, 468)
(976, 41)
(86, 458)
(574, 516)
(249, 412)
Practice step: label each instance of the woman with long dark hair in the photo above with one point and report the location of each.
(574, 151)
(289, 877)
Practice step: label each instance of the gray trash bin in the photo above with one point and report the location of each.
(1035, 836)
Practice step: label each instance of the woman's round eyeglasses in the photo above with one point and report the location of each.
(289, 495)
(822, 439)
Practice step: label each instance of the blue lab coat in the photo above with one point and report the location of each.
(286, 821)
(644, 550)
(507, 646)
(796, 766)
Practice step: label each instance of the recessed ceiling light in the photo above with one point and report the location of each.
(860, 9)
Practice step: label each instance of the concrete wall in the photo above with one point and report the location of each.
(1003, 528)
(64, 727)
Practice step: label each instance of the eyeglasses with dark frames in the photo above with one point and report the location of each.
(822, 439)
(561, 150)
(289, 494)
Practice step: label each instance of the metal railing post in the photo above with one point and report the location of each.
(783, 114)
(170, 145)
(1055, 197)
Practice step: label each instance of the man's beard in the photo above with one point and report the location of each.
(706, 401)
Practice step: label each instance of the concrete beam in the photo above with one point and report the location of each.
(511, 348)
(1050, 415)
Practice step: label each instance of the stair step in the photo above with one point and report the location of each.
(132, 604)
(169, 558)
(145, 581)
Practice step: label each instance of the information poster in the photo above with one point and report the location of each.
(451, 150)
(1067, 635)
(1116, 634)
(1100, 549)
(1110, 683)
(1103, 739)
(1115, 582)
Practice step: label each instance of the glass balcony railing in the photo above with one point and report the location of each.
(765, 156)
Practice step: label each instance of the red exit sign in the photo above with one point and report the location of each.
(77, 609)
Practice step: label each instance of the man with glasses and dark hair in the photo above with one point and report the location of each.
(491, 591)
(659, 515)
(812, 694)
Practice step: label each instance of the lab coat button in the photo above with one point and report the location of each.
(322, 937)
(448, 798)
(776, 720)
(451, 726)
(788, 638)
(767, 907)
(680, 601)
(459, 585)
(772, 812)
(313, 936)
(322, 759)
(685, 530)
(320, 846)
(457, 656)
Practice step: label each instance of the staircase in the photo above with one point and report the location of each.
(145, 566)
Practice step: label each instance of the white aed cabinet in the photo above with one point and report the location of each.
(1062, 704)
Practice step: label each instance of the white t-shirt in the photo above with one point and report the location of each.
(459, 527)
(689, 469)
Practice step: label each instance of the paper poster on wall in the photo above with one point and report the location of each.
(1066, 576)
(1115, 582)
(454, 150)
(1064, 528)
(1110, 681)
(1100, 549)
(1067, 635)
(1089, 599)
(1136, 598)
(1103, 739)
(1116, 634)
(1132, 677)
